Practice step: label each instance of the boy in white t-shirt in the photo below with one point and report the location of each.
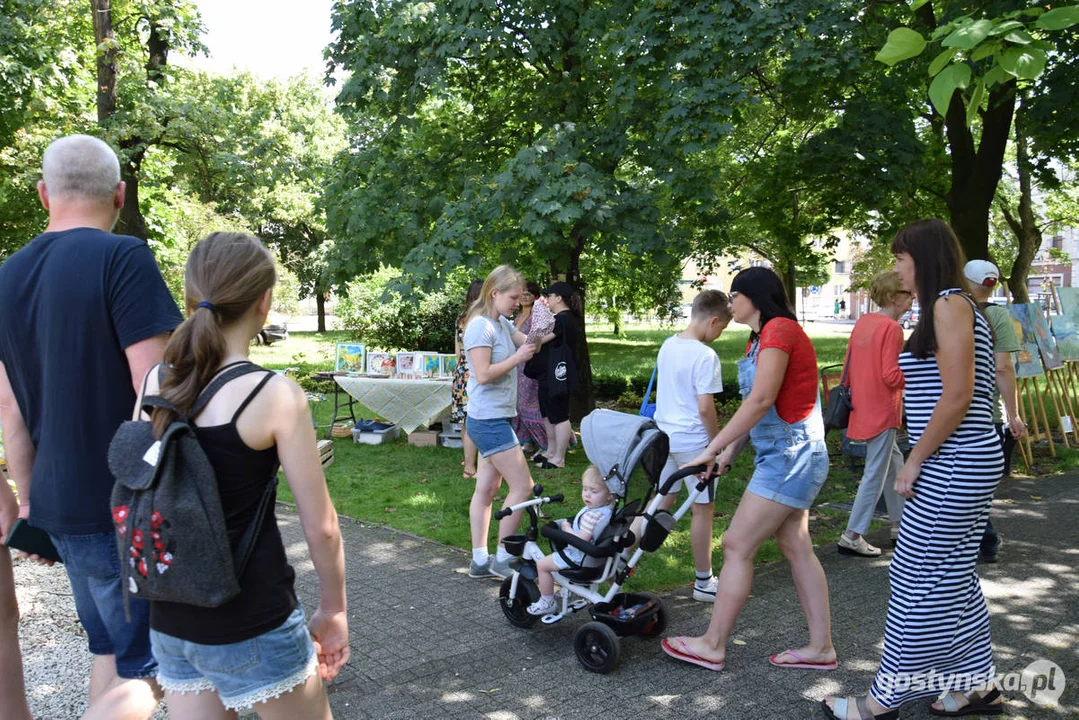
(688, 375)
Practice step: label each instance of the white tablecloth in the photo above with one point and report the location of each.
(408, 403)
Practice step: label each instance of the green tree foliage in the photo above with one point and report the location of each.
(382, 313)
(983, 58)
(491, 131)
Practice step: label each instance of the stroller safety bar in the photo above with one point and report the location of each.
(607, 548)
(507, 511)
(678, 475)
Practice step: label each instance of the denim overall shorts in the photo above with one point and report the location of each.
(791, 464)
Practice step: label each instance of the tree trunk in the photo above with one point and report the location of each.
(320, 303)
(133, 149)
(1024, 226)
(131, 221)
(976, 172)
(106, 61)
(583, 401)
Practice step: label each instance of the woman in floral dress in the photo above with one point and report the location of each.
(459, 388)
(529, 423)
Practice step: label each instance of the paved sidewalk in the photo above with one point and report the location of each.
(428, 642)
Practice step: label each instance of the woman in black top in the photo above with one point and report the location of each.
(558, 379)
(255, 651)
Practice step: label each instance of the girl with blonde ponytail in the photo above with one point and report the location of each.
(256, 423)
(495, 350)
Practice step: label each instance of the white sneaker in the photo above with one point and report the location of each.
(705, 590)
(543, 606)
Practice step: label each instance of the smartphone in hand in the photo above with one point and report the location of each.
(32, 541)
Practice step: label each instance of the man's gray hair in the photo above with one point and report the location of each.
(80, 167)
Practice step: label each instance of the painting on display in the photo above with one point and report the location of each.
(406, 363)
(432, 365)
(380, 363)
(1064, 332)
(1029, 361)
(1044, 337)
(449, 365)
(350, 357)
(1069, 302)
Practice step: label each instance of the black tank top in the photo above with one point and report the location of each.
(266, 594)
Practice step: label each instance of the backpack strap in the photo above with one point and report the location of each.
(225, 374)
(247, 542)
(648, 391)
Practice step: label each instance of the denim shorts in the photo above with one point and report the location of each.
(242, 673)
(92, 563)
(491, 436)
(789, 472)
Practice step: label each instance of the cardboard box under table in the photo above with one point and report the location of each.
(409, 404)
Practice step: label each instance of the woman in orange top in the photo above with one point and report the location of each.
(876, 388)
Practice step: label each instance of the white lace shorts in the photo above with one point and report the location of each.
(243, 673)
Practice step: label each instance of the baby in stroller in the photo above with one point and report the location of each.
(589, 523)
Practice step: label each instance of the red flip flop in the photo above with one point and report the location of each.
(676, 647)
(802, 662)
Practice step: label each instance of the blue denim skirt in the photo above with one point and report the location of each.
(491, 436)
(789, 471)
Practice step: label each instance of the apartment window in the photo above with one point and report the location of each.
(1058, 242)
(841, 267)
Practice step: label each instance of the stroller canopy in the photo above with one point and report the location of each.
(617, 443)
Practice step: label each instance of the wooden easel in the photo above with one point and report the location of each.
(1032, 412)
(1063, 404)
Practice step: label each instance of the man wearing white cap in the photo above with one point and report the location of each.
(983, 277)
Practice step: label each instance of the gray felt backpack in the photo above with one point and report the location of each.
(170, 527)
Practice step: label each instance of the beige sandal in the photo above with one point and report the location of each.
(857, 547)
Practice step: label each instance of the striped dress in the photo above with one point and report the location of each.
(937, 632)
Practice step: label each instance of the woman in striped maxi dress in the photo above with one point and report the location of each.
(936, 637)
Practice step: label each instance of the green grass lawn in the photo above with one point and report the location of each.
(421, 491)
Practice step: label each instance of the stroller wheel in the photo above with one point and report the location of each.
(597, 647)
(516, 610)
(659, 621)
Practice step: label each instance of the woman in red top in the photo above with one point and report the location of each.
(781, 414)
(876, 386)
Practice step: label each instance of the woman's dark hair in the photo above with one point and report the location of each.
(938, 265)
(765, 290)
(226, 274)
(534, 288)
(576, 305)
(471, 296)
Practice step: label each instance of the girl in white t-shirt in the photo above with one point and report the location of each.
(495, 348)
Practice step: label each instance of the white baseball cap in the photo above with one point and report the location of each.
(982, 272)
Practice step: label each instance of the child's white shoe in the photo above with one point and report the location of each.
(543, 606)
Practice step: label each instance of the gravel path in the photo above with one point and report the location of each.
(55, 657)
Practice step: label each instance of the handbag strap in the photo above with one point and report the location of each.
(846, 365)
(648, 392)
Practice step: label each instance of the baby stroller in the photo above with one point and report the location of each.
(630, 452)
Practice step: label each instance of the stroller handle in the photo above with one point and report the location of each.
(678, 475)
(507, 511)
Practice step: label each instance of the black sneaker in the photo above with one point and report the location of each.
(989, 557)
